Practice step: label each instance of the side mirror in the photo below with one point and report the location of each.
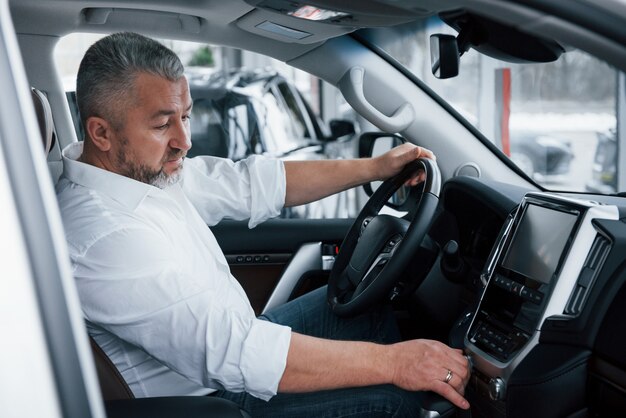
(340, 128)
(444, 55)
(373, 144)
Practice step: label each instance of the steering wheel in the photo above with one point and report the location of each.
(378, 248)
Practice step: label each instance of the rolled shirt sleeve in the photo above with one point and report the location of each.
(219, 188)
(265, 341)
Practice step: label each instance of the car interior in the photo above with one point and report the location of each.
(528, 282)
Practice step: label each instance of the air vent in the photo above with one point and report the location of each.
(593, 264)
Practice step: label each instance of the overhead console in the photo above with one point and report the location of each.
(317, 21)
(543, 264)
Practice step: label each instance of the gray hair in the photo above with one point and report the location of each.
(107, 73)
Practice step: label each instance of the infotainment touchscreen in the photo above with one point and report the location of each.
(539, 242)
(520, 286)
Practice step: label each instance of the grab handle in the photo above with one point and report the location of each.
(351, 85)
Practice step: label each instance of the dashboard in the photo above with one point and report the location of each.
(543, 269)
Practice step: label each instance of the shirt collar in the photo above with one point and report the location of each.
(125, 190)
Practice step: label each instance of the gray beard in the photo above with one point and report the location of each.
(162, 180)
(144, 174)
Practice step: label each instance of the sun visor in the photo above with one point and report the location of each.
(141, 19)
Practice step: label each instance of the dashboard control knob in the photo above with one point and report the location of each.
(452, 265)
(496, 389)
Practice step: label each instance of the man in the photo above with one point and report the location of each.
(156, 289)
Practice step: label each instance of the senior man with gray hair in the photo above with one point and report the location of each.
(155, 287)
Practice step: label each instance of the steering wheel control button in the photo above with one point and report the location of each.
(392, 243)
(366, 222)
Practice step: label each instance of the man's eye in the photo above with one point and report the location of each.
(186, 117)
(163, 127)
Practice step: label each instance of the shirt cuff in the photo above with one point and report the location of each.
(264, 358)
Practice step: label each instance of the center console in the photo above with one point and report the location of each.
(543, 265)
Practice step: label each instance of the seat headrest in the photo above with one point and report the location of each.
(44, 117)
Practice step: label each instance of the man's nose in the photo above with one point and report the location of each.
(182, 137)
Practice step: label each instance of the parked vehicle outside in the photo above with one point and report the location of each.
(546, 158)
(604, 174)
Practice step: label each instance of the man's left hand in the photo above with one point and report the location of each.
(393, 161)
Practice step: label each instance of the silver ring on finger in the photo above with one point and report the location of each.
(448, 377)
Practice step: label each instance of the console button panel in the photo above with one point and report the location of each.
(501, 344)
(519, 289)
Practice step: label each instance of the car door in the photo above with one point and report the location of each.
(281, 258)
(45, 368)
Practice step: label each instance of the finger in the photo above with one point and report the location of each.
(456, 378)
(458, 359)
(426, 153)
(458, 383)
(450, 394)
(460, 377)
(461, 373)
(415, 180)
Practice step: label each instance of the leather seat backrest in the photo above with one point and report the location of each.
(112, 384)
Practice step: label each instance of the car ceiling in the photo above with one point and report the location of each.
(236, 22)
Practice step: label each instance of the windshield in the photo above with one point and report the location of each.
(556, 121)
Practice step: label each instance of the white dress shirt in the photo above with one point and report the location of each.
(155, 287)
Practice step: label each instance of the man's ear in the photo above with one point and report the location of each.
(100, 132)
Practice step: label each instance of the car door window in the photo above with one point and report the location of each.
(238, 112)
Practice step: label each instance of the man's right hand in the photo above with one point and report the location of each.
(418, 365)
(423, 365)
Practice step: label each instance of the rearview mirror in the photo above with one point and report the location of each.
(444, 56)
